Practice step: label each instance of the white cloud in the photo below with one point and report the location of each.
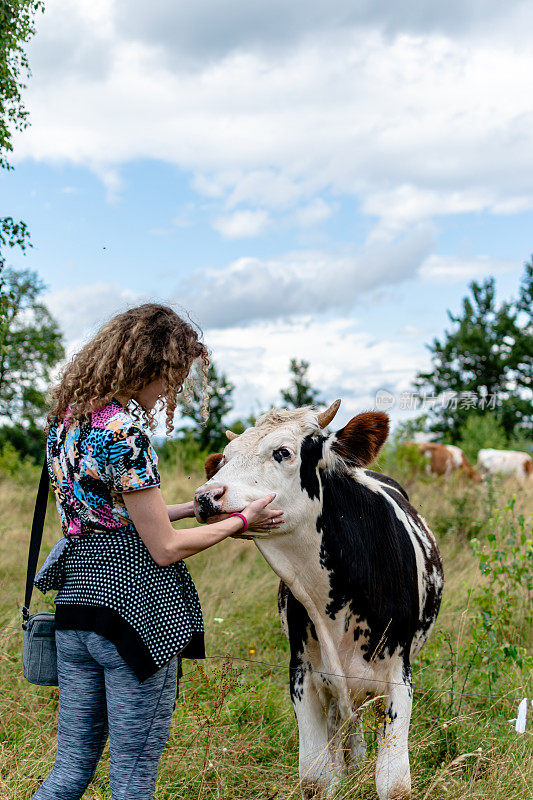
(81, 310)
(242, 224)
(303, 282)
(345, 362)
(209, 29)
(313, 213)
(251, 289)
(444, 269)
(404, 205)
(414, 125)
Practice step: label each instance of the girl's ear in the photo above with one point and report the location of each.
(211, 464)
(362, 438)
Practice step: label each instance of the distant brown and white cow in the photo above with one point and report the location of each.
(444, 459)
(505, 462)
(361, 582)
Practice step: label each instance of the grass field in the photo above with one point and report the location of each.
(234, 734)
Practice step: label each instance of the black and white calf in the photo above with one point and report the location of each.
(361, 582)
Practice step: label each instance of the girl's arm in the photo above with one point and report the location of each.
(150, 516)
(180, 511)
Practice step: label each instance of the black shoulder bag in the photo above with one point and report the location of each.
(39, 656)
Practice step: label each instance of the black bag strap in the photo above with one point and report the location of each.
(36, 537)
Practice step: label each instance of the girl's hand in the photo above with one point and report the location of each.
(260, 518)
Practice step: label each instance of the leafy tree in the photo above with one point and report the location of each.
(27, 442)
(300, 392)
(210, 434)
(17, 26)
(31, 347)
(12, 234)
(485, 360)
(479, 431)
(406, 430)
(240, 425)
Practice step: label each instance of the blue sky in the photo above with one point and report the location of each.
(312, 180)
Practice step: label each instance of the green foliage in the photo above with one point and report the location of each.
(15, 467)
(405, 431)
(457, 519)
(31, 347)
(299, 392)
(12, 234)
(29, 441)
(488, 353)
(183, 453)
(210, 434)
(403, 461)
(479, 431)
(240, 425)
(17, 26)
(503, 600)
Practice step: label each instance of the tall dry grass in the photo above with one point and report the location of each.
(233, 733)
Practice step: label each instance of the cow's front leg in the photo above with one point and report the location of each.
(393, 775)
(320, 760)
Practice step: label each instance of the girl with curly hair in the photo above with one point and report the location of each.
(127, 610)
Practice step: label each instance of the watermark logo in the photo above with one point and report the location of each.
(424, 401)
(384, 399)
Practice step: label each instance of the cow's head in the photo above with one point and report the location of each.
(283, 453)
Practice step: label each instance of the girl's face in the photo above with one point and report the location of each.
(147, 396)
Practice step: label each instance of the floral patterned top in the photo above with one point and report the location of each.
(107, 581)
(107, 456)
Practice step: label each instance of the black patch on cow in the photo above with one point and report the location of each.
(387, 481)
(433, 570)
(310, 455)
(300, 627)
(371, 563)
(206, 507)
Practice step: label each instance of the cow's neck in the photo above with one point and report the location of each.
(295, 558)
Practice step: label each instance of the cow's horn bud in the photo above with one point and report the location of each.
(325, 417)
(231, 436)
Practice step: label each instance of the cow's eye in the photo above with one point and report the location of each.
(281, 454)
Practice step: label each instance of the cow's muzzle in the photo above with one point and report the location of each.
(208, 501)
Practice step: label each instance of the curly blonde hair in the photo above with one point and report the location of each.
(134, 348)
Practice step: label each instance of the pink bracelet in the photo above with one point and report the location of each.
(236, 514)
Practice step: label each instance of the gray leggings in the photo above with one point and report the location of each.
(99, 695)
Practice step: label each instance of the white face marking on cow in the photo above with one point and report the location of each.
(262, 460)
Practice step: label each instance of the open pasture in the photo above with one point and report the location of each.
(234, 734)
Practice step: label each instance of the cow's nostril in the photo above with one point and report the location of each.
(219, 492)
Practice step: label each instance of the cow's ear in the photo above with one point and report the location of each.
(211, 464)
(362, 438)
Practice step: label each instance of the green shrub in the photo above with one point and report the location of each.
(16, 468)
(461, 517)
(402, 461)
(183, 453)
(503, 613)
(479, 431)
